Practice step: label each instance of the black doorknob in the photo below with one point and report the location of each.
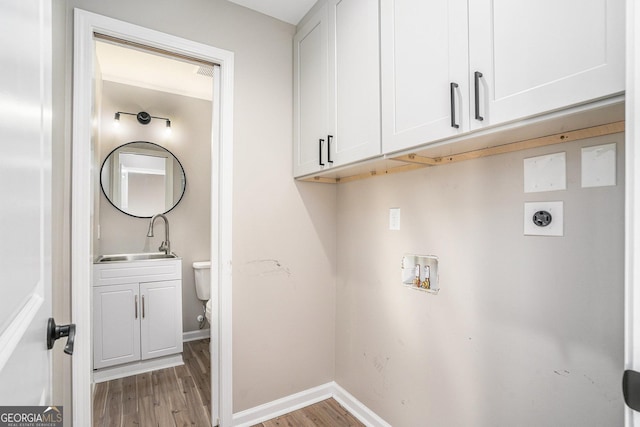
(55, 332)
(631, 389)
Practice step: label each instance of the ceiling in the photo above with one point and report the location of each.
(148, 70)
(290, 11)
(134, 67)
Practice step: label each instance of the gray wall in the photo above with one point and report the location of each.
(283, 232)
(526, 330)
(190, 142)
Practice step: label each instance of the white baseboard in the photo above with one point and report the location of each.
(282, 406)
(200, 334)
(357, 408)
(135, 368)
(305, 398)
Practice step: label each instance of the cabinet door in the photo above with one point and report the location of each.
(116, 325)
(540, 56)
(310, 88)
(355, 80)
(424, 50)
(161, 314)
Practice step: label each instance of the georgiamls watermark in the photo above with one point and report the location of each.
(31, 416)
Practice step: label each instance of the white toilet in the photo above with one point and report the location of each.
(202, 275)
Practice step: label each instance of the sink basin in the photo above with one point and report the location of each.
(135, 257)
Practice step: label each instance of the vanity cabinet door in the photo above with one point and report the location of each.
(161, 318)
(544, 55)
(116, 325)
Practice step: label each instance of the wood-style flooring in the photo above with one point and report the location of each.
(172, 397)
(181, 397)
(327, 413)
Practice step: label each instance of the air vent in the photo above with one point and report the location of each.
(205, 71)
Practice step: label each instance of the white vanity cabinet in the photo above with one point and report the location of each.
(137, 311)
(452, 66)
(337, 87)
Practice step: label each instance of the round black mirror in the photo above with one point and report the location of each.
(142, 179)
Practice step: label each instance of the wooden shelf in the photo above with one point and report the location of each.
(597, 119)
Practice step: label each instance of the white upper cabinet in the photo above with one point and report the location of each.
(337, 87)
(310, 91)
(424, 71)
(380, 77)
(447, 69)
(354, 62)
(544, 55)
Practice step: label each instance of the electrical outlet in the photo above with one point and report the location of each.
(544, 219)
(394, 219)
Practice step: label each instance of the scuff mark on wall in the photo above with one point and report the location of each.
(266, 267)
(379, 364)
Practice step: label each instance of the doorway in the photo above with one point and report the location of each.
(86, 26)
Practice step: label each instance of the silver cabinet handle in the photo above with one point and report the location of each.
(135, 305)
(143, 306)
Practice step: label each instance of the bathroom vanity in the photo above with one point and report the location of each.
(137, 313)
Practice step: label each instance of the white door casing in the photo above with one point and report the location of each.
(632, 201)
(25, 212)
(85, 25)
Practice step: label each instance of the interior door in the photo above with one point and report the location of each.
(25, 188)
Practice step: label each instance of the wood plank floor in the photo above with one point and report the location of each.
(181, 397)
(327, 413)
(172, 397)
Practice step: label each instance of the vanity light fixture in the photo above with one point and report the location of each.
(143, 118)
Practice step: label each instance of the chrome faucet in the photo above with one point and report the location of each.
(166, 245)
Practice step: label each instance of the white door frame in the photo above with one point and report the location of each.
(85, 25)
(632, 200)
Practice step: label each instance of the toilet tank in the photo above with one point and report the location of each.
(202, 276)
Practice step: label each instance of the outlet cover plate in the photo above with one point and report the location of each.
(545, 173)
(555, 228)
(599, 166)
(394, 219)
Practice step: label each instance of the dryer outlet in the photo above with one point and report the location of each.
(544, 219)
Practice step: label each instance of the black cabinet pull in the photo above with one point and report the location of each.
(329, 137)
(453, 87)
(320, 142)
(477, 76)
